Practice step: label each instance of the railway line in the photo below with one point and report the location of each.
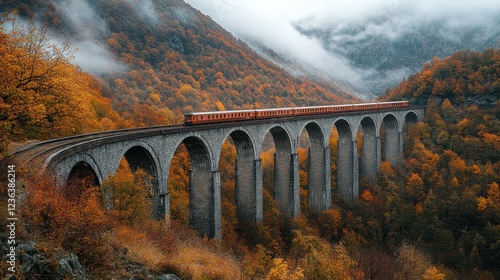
(37, 154)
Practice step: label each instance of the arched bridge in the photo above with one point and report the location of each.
(153, 148)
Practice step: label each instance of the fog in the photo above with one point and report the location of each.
(276, 24)
(91, 53)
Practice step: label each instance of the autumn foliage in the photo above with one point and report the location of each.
(437, 216)
(43, 95)
(70, 218)
(462, 75)
(184, 62)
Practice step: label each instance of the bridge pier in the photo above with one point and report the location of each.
(393, 150)
(392, 147)
(379, 151)
(286, 183)
(328, 178)
(347, 169)
(248, 189)
(216, 226)
(294, 186)
(370, 151)
(319, 170)
(259, 204)
(355, 172)
(205, 203)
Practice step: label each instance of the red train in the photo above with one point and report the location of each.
(241, 115)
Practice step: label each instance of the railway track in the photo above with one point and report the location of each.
(36, 153)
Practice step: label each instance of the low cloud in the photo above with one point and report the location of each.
(95, 58)
(90, 31)
(276, 24)
(145, 9)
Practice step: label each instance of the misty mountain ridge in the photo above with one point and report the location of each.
(385, 51)
(368, 54)
(309, 71)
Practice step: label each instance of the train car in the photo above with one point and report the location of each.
(241, 115)
(218, 116)
(273, 113)
(365, 106)
(312, 110)
(341, 108)
(393, 104)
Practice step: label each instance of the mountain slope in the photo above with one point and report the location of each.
(464, 78)
(159, 59)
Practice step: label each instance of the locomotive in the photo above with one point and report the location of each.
(196, 118)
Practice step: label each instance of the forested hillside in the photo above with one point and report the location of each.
(436, 217)
(172, 59)
(466, 77)
(446, 198)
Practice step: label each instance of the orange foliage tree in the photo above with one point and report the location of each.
(42, 95)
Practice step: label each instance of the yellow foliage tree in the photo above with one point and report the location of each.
(130, 194)
(432, 273)
(281, 271)
(42, 95)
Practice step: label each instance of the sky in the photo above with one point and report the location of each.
(273, 22)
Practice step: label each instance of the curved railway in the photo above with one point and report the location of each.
(38, 153)
(34, 153)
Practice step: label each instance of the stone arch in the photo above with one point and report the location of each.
(319, 191)
(140, 155)
(89, 166)
(409, 119)
(82, 170)
(204, 191)
(392, 140)
(347, 162)
(248, 187)
(370, 158)
(286, 188)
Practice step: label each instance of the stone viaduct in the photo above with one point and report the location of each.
(153, 149)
